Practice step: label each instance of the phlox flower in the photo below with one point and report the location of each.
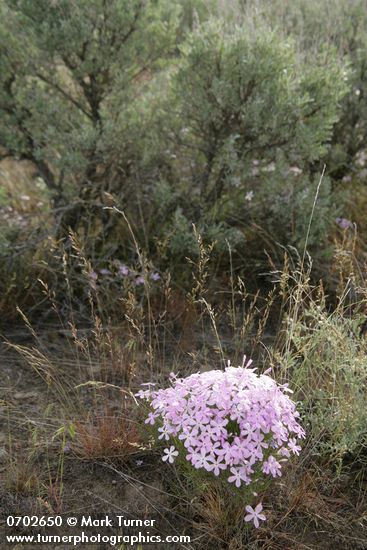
(151, 419)
(143, 394)
(255, 514)
(105, 271)
(284, 452)
(202, 460)
(164, 433)
(232, 423)
(227, 452)
(123, 270)
(344, 223)
(170, 454)
(216, 465)
(192, 456)
(294, 447)
(272, 466)
(239, 475)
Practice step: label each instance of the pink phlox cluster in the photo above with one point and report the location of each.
(233, 422)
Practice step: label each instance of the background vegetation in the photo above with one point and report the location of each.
(183, 182)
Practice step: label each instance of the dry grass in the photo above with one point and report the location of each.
(221, 517)
(85, 368)
(22, 476)
(105, 436)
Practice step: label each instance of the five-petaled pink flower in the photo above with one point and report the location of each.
(233, 423)
(123, 270)
(294, 447)
(255, 515)
(170, 454)
(151, 419)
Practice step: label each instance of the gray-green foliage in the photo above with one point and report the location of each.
(4, 229)
(328, 373)
(244, 94)
(330, 24)
(69, 75)
(111, 97)
(242, 97)
(295, 197)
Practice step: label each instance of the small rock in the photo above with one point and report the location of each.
(25, 395)
(3, 455)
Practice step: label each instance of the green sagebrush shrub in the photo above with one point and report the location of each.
(107, 103)
(70, 74)
(247, 111)
(338, 26)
